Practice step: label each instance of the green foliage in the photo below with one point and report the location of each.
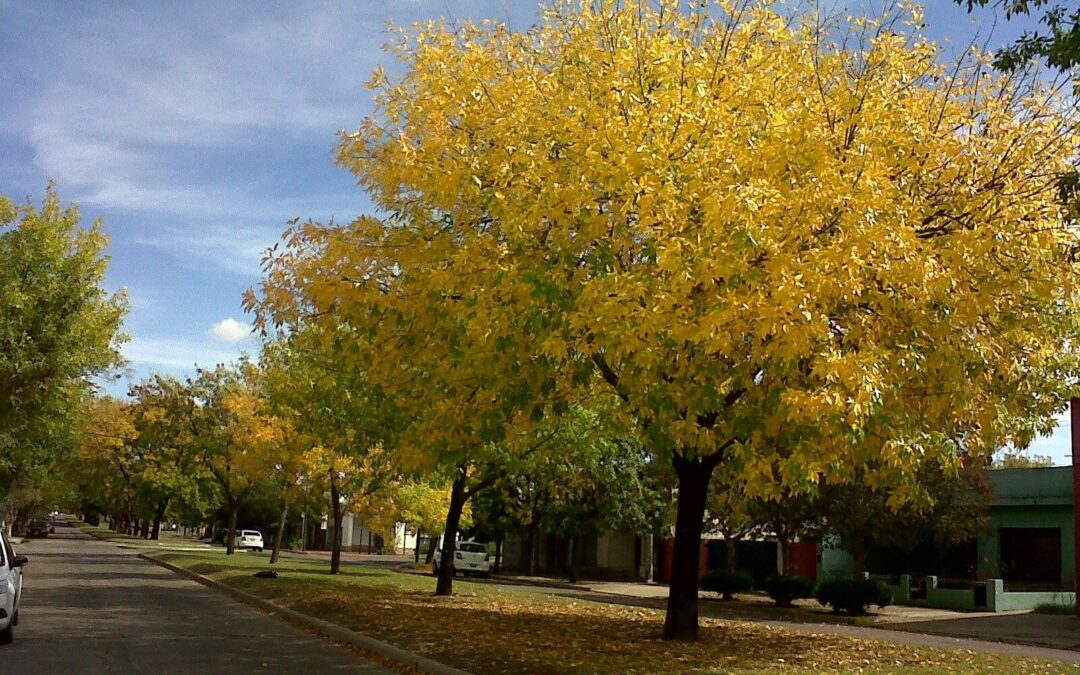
(1056, 608)
(58, 327)
(1017, 459)
(953, 509)
(727, 584)
(1058, 45)
(786, 589)
(853, 596)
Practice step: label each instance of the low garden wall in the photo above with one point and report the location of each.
(985, 596)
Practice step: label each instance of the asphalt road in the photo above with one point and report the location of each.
(91, 607)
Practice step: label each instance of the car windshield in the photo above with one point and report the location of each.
(38, 523)
(252, 533)
(473, 548)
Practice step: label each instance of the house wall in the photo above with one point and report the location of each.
(834, 562)
(616, 551)
(1055, 516)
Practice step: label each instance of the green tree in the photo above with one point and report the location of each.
(58, 329)
(954, 508)
(164, 416)
(1058, 44)
(1018, 459)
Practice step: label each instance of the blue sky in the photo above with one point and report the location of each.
(197, 129)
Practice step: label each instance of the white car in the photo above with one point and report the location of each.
(249, 539)
(470, 557)
(10, 589)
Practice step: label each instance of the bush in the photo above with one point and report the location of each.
(785, 590)
(853, 596)
(727, 583)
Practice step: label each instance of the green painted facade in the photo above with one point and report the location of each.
(1029, 498)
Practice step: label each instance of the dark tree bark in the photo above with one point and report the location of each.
(230, 535)
(432, 544)
(145, 531)
(339, 517)
(729, 544)
(526, 555)
(280, 529)
(571, 572)
(419, 533)
(498, 555)
(785, 556)
(681, 621)
(859, 562)
(445, 585)
(159, 515)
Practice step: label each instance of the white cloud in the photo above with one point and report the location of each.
(230, 330)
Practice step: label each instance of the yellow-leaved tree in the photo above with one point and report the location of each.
(732, 219)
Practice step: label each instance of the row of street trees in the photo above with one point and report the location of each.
(637, 251)
(786, 251)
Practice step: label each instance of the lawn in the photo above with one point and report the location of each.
(487, 628)
(168, 542)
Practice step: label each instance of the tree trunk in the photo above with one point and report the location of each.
(530, 551)
(785, 556)
(155, 533)
(339, 517)
(729, 544)
(280, 529)
(145, 531)
(571, 573)
(859, 562)
(498, 555)
(416, 557)
(432, 543)
(681, 621)
(230, 535)
(445, 585)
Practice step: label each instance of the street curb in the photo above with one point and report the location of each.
(334, 631)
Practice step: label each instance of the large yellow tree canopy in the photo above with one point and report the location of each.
(747, 224)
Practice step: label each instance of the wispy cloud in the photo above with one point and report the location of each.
(176, 354)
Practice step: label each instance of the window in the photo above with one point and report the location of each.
(5, 551)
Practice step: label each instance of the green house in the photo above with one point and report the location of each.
(1030, 544)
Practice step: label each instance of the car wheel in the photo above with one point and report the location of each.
(259, 550)
(15, 619)
(8, 634)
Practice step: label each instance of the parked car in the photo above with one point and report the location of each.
(38, 528)
(10, 589)
(251, 540)
(470, 558)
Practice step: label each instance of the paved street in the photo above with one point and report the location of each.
(90, 607)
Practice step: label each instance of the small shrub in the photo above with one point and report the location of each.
(853, 596)
(785, 590)
(727, 583)
(1056, 608)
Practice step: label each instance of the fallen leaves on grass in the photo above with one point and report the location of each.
(492, 629)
